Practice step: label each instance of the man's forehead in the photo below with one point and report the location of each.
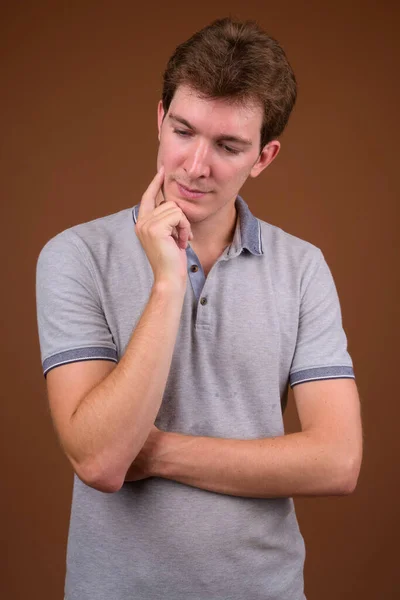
(192, 106)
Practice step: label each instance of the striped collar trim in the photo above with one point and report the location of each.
(247, 233)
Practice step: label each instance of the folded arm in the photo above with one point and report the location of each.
(323, 459)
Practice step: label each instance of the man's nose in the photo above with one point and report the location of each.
(197, 161)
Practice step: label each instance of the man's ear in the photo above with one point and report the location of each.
(160, 116)
(269, 152)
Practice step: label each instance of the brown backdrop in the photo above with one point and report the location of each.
(79, 88)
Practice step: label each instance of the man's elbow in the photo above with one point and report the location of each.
(349, 477)
(96, 478)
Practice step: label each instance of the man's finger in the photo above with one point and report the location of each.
(148, 201)
(160, 199)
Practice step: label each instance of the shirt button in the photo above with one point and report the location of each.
(203, 301)
(194, 268)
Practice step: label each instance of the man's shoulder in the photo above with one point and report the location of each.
(279, 245)
(96, 234)
(106, 227)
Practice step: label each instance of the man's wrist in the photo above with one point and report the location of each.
(169, 445)
(156, 463)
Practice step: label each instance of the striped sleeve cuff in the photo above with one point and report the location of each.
(77, 355)
(319, 373)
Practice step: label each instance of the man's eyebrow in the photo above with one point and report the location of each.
(224, 137)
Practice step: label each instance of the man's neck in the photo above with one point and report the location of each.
(214, 238)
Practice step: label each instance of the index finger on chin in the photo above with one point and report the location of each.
(148, 201)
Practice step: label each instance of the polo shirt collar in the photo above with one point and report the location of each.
(247, 233)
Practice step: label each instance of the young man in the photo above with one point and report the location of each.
(170, 333)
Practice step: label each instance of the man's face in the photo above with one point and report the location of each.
(197, 153)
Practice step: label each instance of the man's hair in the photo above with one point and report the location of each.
(237, 61)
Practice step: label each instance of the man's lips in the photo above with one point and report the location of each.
(195, 191)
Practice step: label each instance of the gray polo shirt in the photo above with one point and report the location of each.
(267, 316)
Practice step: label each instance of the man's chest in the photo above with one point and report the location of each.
(238, 311)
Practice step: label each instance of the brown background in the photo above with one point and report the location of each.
(79, 88)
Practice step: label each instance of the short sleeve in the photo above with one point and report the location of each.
(321, 345)
(71, 322)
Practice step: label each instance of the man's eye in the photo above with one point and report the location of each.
(230, 150)
(182, 132)
(185, 133)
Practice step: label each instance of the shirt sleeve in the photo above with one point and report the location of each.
(71, 322)
(321, 345)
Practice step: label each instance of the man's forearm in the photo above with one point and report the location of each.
(290, 465)
(113, 421)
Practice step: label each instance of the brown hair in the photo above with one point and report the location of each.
(239, 62)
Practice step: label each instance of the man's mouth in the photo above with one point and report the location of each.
(189, 193)
(194, 191)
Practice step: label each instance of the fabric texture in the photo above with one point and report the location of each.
(267, 316)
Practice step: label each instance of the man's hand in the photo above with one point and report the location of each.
(163, 231)
(142, 466)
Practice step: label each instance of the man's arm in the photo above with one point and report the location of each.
(103, 418)
(323, 459)
(112, 421)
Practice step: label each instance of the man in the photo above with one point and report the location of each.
(169, 334)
